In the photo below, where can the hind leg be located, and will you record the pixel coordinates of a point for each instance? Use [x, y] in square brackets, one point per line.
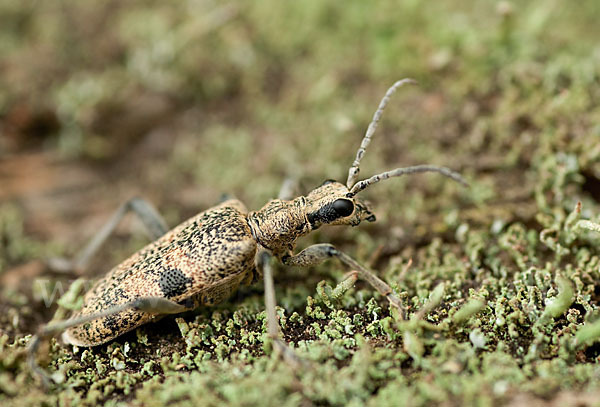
[151, 305]
[154, 223]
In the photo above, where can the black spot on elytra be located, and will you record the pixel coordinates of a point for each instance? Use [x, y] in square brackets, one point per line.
[173, 283]
[111, 323]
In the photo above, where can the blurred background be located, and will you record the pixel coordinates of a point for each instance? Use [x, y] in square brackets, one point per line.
[182, 101]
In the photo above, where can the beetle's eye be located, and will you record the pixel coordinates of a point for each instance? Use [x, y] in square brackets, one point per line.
[343, 207]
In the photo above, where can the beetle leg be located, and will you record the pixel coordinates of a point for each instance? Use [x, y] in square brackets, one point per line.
[152, 305]
[288, 189]
[154, 223]
[318, 253]
[225, 197]
[264, 264]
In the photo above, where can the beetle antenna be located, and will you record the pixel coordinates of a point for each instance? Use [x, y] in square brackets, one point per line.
[360, 185]
[354, 169]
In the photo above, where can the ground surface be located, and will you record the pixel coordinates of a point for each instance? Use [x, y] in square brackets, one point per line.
[180, 102]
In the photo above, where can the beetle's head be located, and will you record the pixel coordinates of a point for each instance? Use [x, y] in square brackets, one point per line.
[332, 204]
[279, 223]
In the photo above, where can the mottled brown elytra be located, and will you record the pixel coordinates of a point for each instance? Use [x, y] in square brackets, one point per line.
[204, 260]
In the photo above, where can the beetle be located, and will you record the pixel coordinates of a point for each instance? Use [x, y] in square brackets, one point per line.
[205, 259]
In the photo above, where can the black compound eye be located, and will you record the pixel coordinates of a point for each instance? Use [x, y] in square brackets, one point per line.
[343, 207]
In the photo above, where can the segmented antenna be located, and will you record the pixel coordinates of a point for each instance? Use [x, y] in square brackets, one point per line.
[360, 185]
[354, 169]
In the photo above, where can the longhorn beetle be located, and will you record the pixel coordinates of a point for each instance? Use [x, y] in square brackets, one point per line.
[204, 260]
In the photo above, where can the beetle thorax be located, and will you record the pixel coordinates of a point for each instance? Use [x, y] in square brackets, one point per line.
[278, 224]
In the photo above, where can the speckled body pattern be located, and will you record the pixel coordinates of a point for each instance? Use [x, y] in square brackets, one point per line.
[205, 259]
[201, 261]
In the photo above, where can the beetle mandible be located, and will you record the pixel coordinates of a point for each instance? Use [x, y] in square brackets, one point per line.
[204, 260]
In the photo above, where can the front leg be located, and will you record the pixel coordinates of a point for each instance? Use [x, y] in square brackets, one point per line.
[318, 253]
